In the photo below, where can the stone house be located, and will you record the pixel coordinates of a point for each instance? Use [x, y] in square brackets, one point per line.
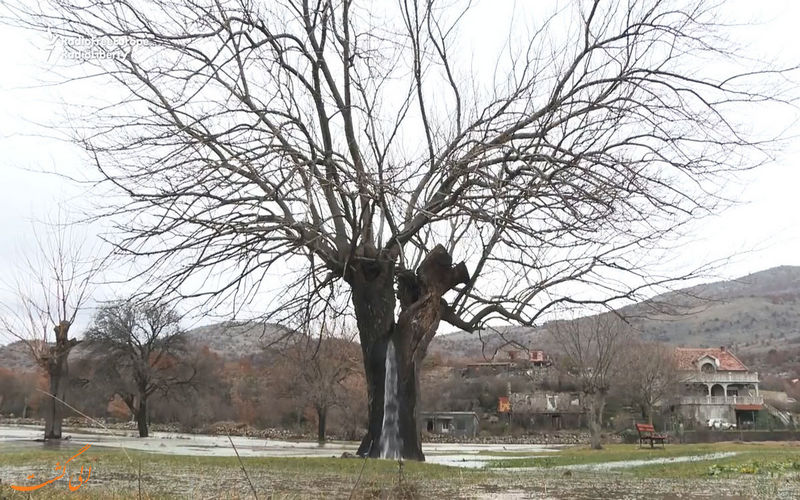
[549, 410]
[451, 423]
[716, 384]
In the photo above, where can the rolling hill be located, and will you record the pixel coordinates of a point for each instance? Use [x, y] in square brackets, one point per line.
[229, 340]
[755, 315]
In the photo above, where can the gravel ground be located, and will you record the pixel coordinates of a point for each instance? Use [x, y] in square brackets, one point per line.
[228, 482]
[562, 485]
[210, 482]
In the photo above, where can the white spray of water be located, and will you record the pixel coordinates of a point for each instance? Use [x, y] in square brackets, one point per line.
[390, 432]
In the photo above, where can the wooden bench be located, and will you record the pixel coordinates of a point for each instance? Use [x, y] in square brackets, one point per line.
[648, 433]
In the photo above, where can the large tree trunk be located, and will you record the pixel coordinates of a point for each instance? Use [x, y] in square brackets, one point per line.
[595, 419]
[322, 415]
[54, 409]
[374, 303]
[410, 445]
[57, 372]
[141, 416]
[421, 304]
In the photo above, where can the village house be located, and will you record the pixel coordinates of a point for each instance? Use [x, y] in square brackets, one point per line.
[527, 362]
[451, 423]
[529, 357]
[545, 409]
[716, 385]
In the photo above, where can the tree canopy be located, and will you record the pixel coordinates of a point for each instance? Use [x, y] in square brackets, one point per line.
[300, 137]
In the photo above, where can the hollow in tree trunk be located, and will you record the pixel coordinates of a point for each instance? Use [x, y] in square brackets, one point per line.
[421, 308]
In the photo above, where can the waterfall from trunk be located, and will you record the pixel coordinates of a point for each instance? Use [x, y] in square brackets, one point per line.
[390, 431]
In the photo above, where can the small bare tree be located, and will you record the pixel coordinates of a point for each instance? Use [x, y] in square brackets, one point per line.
[651, 376]
[51, 288]
[139, 345]
[591, 350]
[318, 367]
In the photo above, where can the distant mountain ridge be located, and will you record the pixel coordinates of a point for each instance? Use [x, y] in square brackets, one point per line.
[755, 313]
[229, 340]
[232, 340]
[760, 310]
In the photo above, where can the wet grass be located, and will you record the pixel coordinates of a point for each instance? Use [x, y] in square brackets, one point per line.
[116, 474]
[118, 458]
[610, 453]
[515, 454]
[775, 467]
[751, 460]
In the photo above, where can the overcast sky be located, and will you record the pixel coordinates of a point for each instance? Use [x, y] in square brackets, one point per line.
[763, 231]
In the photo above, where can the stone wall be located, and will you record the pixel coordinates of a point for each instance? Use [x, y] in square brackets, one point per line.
[708, 436]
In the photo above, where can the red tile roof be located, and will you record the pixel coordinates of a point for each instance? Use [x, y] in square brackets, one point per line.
[687, 356]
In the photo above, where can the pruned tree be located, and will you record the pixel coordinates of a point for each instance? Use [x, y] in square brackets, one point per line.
[350, 147]
[651, 376]
[592, 350]
[51, 287]
[139, 346]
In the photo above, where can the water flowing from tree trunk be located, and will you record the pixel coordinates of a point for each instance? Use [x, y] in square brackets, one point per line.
[390, 432]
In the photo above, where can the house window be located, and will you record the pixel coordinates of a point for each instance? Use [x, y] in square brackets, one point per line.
[708, 368]
[445, 426]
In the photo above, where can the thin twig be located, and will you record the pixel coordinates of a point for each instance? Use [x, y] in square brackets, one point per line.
[241, 464]
[358, 479]
[140, 479]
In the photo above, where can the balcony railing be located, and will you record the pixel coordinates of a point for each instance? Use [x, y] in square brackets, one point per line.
[721, 400]
[722, 377]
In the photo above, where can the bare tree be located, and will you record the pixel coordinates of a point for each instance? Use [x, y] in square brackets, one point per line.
[592, 350]
[350, 147]
[650, 376]
[17, 389]
[50, 290]
[319, 368]
[139, 346]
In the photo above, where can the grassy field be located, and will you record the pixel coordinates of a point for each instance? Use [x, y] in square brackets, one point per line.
[755, 471]
[775, 457]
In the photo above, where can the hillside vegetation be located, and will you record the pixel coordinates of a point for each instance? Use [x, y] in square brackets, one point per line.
[757, 315]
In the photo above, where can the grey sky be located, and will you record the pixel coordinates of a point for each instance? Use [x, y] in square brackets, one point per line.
[764, 230]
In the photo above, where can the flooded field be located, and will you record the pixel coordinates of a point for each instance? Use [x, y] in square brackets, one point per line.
[464, 455]
[174, 465]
